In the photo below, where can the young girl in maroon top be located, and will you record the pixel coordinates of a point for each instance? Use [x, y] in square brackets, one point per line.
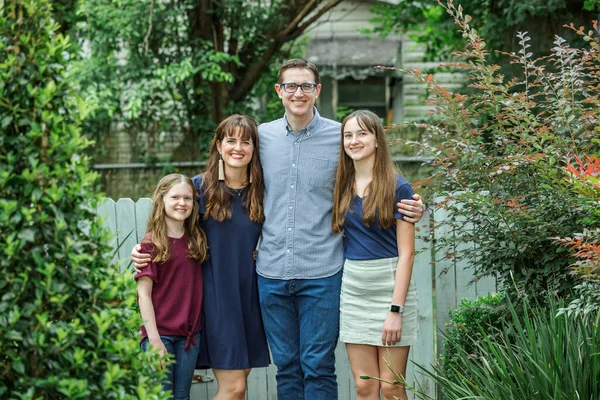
[170, 289]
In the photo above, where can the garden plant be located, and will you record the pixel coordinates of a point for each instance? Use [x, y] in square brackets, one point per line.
[473, 321]
[584, 179]
[500, 149]
[516, 163]
[67, 327]
[534, 355]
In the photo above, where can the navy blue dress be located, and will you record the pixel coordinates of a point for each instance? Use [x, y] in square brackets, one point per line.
[232, 334]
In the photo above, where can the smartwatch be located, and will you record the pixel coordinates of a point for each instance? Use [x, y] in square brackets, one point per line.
[395, 308]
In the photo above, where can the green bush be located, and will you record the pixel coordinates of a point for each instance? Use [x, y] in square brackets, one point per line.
[67, 329]
[584, 179]
[535, 355]
[469, 324]
[499, 149]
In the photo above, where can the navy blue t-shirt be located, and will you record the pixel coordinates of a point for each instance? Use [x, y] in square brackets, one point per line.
[371, 243]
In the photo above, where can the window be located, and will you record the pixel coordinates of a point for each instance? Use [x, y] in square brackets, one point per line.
[369, 93]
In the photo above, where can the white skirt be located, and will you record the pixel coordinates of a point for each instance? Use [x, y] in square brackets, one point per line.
[366, 295]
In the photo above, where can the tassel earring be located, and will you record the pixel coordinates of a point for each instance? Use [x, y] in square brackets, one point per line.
[221, 170]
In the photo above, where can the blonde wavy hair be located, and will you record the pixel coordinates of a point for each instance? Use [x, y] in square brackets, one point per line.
[157, 225]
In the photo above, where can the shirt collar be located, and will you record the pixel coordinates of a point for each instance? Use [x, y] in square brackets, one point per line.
[309, 129]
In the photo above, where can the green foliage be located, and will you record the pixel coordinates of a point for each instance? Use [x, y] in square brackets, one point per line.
[265, 104]
[427, 22]
[67, 329]
[171, 71]
[424, 21]
[342, 112]
[142, 72]
[591, 5]
[535, 355]
[471, 323]
[500, 150]
[584, 178]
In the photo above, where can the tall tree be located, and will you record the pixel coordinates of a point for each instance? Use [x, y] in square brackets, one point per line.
[183, 65]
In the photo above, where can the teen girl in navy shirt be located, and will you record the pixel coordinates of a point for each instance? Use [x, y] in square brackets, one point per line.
[378, 305]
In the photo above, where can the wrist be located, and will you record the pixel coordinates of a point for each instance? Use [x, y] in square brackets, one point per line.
[394, 316]
[154, 339]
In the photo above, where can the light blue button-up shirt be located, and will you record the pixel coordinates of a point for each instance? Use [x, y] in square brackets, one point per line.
[299, 171]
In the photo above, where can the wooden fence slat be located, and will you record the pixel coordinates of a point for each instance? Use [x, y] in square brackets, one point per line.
[257, 383]
[271, 382]
[106, 212]
[465, 287]
[126, 228]
[108, 216]
[143, 207]
[211, 387]
[345, 379]
[486, 285]
[423, 351]
[445, 279]
[206, 390]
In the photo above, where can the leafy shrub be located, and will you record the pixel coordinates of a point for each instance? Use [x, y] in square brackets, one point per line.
[535, 355]
[584, 178]
[469, 324]
[499, 149]
[67, 330]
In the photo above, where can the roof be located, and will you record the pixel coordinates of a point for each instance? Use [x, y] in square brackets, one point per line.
[352, 52]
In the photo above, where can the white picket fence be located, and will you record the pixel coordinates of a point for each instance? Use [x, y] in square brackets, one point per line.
[436, 293]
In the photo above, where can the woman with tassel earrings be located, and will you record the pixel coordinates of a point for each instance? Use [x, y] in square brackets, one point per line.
[230, 195]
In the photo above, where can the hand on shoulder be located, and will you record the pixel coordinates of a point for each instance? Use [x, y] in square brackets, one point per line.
[412, 209]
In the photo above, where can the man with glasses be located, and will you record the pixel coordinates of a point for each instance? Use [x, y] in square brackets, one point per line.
[299, 259]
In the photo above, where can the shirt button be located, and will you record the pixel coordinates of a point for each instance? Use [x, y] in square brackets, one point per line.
[288, 250]
[292, 186]
[293, 165]
[291, 208]
[289, 229]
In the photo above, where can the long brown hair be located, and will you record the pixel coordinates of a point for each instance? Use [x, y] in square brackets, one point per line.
[380, 193]
[217, 196]
[156, 229]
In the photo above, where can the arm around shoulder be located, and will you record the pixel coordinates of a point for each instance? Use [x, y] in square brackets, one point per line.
[140, 258]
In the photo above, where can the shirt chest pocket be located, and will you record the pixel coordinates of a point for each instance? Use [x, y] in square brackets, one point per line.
[318, 173]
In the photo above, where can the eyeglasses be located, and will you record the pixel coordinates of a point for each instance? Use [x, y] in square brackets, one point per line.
[291, 87]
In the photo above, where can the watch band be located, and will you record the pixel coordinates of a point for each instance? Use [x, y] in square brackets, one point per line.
[395, 308]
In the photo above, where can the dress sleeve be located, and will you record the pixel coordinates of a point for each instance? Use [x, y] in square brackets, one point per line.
[151, 270]
[403, 192]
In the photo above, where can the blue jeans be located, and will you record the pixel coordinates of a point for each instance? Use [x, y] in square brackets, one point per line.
[301, 318]
[180, 373]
